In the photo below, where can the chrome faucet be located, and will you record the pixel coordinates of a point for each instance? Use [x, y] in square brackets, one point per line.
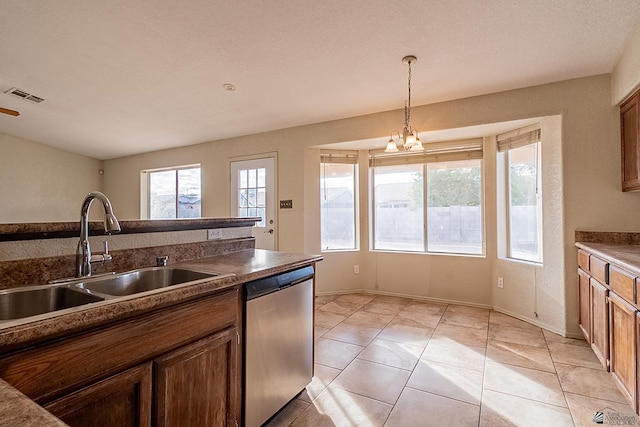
[111, 226]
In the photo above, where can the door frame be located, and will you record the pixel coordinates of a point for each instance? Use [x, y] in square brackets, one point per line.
[276, 210]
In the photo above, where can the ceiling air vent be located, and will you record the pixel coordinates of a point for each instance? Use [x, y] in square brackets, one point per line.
[24, 95]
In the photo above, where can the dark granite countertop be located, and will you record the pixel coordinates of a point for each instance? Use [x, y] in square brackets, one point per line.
[245, 265]
[55, 230]
[16, 409]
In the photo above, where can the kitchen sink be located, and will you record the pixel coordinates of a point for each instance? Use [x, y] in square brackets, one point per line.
[141, 280]
[33, 300]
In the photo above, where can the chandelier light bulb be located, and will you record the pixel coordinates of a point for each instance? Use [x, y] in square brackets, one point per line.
[417, 146]
[391, 147]
[411, 139]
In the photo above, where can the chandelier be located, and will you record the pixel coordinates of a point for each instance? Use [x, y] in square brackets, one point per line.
[409, 140]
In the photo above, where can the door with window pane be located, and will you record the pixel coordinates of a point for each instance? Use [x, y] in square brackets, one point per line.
[252, 195]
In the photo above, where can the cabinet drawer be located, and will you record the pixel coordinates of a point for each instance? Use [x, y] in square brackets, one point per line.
[583, 260]
[623, 284]
[599, 269]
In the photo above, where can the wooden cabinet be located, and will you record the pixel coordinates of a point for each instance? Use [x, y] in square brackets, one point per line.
[600, 321]
[629, 132]
[197, 383]
[637, 402]
[607, 298]
[623, 346]
[584, 299]
[623, 284]
[188, 353]
[121, 400]
[593, 305]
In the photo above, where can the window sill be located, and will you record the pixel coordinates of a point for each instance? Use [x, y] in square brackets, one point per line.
[522, 261]
[388, 251]
[325, 251]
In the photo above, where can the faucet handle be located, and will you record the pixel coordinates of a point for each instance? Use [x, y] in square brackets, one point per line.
[104, 257]
[161, 261]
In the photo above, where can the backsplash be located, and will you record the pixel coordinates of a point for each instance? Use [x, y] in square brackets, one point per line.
[619, 238]
[33, 254]
[40, 248]
[38, 271]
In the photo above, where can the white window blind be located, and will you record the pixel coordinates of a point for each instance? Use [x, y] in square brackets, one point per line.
[518, 138]
[347, 157]
[444, 151]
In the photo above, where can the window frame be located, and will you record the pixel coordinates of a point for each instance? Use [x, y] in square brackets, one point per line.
[372, 192]
[342, 157]
[435, 152]
[145, 199]
[482, 195]
[507, 142]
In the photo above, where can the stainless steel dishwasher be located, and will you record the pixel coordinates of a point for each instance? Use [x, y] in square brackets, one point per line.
[278, 342]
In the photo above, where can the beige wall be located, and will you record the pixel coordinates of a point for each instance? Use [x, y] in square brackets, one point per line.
[581, 187]
[581, 184]
[626, 75]
[39, 183]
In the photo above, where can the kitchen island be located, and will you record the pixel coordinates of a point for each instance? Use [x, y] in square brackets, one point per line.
[141, 344]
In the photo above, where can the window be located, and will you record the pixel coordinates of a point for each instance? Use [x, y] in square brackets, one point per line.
[398, 208]
[449, 219]
[252, 194]
[173, 193]
[521, 156]
[454, 207]
[338, 201]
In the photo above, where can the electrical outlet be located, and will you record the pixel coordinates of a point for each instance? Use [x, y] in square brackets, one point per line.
[356, 269]
[214, 234]
[500, 282]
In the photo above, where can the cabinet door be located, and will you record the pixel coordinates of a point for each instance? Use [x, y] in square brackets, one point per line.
[121, 400]
[622, 326]
[637, 403]
[629, 114]
[600, 321]
[584, 298]
[197, 385]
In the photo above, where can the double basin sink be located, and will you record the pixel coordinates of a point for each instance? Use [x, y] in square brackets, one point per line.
[34, 300]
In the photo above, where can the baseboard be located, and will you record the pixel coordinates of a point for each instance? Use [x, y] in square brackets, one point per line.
[533, 321]
[396, 294]
[430, 299]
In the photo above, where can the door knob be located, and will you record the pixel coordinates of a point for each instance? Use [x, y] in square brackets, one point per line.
[270, 231]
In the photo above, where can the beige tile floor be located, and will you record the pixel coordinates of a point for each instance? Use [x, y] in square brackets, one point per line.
[388, 361]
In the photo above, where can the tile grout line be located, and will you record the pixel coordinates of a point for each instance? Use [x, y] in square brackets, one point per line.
[484, 370]
[414, 368]
[442, 321]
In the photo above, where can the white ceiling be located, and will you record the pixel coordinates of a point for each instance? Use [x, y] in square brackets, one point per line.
[121, 77]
